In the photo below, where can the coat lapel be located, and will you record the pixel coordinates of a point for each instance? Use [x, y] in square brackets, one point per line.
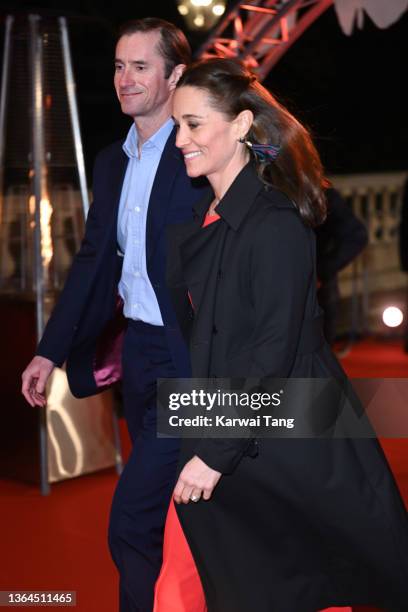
[169, 165]
[202, 248]
[239, 198]
[201, 257]
[197, 253]
[202, 254]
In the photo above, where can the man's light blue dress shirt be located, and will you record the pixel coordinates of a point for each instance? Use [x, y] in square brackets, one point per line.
[139, 298]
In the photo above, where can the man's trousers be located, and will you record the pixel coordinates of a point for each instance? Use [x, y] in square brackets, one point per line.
[144, 489]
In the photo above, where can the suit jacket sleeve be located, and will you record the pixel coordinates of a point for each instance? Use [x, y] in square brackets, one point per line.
[282, 273]
[62, 325]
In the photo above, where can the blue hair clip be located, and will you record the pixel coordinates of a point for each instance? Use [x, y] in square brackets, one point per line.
[264, 152]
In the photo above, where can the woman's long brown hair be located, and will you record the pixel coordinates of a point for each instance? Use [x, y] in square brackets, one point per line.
[297, 170]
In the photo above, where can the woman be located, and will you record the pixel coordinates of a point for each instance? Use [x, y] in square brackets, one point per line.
[278, 525]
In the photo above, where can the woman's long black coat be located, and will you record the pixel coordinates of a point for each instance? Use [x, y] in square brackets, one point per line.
[299, 524]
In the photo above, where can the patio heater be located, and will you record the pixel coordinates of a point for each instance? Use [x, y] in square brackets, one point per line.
[43, 205]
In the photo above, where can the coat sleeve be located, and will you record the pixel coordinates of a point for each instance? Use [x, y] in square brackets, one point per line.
[62, 324]
[281, 276]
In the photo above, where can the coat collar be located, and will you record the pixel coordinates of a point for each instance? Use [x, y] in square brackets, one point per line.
[238, 199]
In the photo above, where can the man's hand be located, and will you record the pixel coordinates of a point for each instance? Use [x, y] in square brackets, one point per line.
[35, 378]
[195, 480]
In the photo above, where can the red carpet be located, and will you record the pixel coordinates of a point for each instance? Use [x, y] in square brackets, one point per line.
[59, 542]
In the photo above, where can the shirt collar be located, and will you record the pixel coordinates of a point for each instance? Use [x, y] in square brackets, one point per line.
[158, 139]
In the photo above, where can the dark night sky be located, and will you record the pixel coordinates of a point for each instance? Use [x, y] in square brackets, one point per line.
[349, 90]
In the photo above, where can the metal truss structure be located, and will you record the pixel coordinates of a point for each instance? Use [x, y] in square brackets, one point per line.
[259, 32]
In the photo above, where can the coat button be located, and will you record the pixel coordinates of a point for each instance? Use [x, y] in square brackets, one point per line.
[215, 329]
[219, 273]
[252, 449]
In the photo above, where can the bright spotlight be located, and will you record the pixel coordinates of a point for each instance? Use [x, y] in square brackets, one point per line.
[201, 14]
[199, 21]
[218, 9]
[392, 316]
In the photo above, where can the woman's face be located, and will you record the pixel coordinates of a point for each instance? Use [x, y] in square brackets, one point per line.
[207, 138]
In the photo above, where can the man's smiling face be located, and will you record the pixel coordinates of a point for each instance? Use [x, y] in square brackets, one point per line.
[140, 84]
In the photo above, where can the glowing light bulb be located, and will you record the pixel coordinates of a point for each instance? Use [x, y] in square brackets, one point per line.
[392, 316]
[183, 9]
[218, 9]
[199, 21]
[201, 2]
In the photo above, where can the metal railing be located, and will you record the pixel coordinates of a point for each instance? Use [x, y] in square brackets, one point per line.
[374, 280]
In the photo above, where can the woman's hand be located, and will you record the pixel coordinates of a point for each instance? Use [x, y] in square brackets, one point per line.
[195, 480]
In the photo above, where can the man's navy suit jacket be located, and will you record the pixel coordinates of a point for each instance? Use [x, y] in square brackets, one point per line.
[88, 301]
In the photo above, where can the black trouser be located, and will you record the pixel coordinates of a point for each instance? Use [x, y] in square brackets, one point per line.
[144, 490]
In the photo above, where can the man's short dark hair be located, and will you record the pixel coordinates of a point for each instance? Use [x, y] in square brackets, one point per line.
[173, 45]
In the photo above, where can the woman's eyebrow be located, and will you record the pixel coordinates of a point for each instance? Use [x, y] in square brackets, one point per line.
[190, 115]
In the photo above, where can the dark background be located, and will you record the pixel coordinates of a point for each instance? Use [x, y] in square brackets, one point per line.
[350, 91]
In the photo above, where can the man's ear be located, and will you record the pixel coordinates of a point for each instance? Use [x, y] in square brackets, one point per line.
[175, 75]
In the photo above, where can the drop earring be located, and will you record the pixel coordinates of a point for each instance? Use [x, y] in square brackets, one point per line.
[263, 152]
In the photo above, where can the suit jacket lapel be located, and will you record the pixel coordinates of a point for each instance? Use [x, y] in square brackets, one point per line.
[108, 202]
[160, 196]
[117, 173]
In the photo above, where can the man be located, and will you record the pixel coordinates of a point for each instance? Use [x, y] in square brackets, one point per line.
[339, 240]
[140, 186]
[403, 246]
